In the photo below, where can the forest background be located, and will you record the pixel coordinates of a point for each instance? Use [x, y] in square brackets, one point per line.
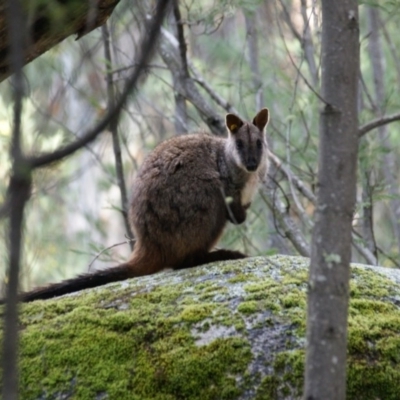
[236, 56]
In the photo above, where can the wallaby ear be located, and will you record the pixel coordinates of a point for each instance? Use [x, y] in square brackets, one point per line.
[261, 119]
[233, 122]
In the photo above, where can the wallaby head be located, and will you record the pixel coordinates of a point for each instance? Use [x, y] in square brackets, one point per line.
[246, 142]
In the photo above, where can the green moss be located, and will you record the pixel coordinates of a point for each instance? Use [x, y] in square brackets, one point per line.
[141, 341]
[196, 312]
[268, 389]
[240, 277]
[373, 343]
[261, 286]
[295, 298]
[248, 307]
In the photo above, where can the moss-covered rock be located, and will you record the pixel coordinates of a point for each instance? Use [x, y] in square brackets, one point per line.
[232, 330]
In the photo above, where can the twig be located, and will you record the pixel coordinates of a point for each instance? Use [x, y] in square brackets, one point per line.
[310, 86]
[302, 188]
[213, 94]
[147, 47]
[380, 250]
[377, 123]
[291, 231]
[169, 52]
[108, 248]
[298, 183]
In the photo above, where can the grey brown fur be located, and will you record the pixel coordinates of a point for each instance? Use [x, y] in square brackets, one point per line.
[183, 195]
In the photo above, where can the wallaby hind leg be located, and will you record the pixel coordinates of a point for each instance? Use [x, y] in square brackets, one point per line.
[201, 258]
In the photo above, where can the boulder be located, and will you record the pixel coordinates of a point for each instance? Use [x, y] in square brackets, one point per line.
[227, 330]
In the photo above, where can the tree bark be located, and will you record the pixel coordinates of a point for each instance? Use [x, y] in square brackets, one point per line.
[46, 29]
[253, 56]
[325, 374]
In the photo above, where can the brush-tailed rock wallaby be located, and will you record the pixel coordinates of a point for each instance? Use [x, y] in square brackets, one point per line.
[183, 195]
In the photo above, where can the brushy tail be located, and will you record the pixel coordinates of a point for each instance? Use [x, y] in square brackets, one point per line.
[84, 281]
[141, 263]
[201, 258]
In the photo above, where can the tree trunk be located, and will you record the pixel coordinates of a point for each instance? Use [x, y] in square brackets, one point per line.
[389, 167]
[325, 374]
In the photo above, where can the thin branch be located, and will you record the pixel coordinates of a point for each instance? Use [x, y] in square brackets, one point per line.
[291, 177]
[369, 126]
[181, 39]
[198, 78]
[308, 45]
[148, 45]
[302, 75]
[380, 250]
[180, 75]
[306, 192]
[253, 57]
[114, 133]
[364, 252]
[169, 52]
[289, 22]
[108, 248]
[291, 230]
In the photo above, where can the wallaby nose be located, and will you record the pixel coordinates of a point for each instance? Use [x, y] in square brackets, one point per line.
[251, 165]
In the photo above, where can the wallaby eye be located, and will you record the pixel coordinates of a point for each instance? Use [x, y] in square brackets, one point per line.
[239, 144]
[259, 144]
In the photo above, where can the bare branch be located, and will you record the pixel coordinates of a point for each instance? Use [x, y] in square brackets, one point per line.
[211, 92]
[252, 44]
[147, 47]
[376, 123]
[364, 252]
[76, 19]
[169, 52]
[298, 183]
[291, 230]
[289, 21]
[114, 133]
[130, 241]
[305, 40]
[181, 39]
[181, 123]
[308, 194]
[308, 45]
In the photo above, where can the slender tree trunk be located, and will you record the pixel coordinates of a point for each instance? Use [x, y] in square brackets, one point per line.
[367, 216]
[389, 167]
[119, 168]
[18, 195]
[308, 45]
[252, 44]
[325, 374]
[181, 119]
